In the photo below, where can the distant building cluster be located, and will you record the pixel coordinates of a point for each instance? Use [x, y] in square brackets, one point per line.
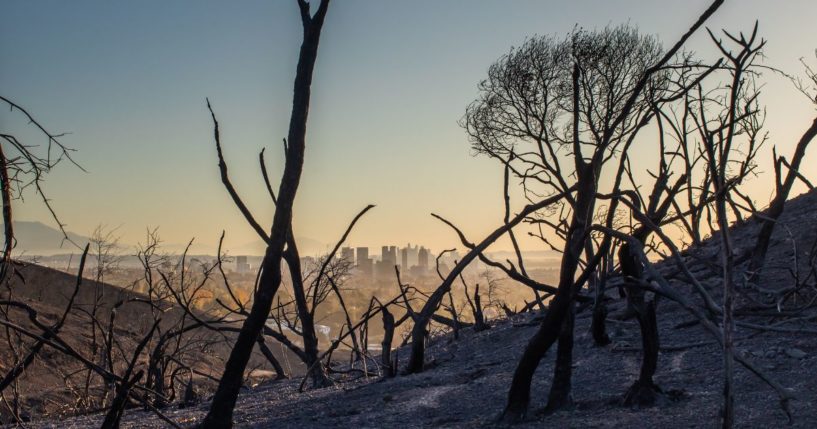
[411, 260]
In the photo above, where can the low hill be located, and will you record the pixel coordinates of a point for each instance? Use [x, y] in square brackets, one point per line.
[43, 387]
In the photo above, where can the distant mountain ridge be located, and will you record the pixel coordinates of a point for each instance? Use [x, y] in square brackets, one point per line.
[37, 238]
[40, 239]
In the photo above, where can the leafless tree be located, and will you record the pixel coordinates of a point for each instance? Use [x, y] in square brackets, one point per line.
[555, 110]
[23, 165]
[105, 253]
[656, 283]
[783, 185]
[221, 411]
[718, 136]
[427, 313]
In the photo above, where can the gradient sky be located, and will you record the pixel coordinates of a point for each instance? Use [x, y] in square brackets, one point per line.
[128, 79]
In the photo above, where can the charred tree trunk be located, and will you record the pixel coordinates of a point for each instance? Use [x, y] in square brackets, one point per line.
[310, 339]
[129, 379]
[778, 203]
[388, 337]
[190, 398]
[598, 325]
[155, 373]
[644, 391]
[280, 374]
[220, 414]
[159, 385]
[519, 392]
[479, 316]
[727, 259]
[156, 370]
[560, 396]
[550, 328]
[8, 224]
[118, 406]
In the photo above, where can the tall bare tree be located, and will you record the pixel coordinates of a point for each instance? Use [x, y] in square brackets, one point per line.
[576, 103]
[220, 414]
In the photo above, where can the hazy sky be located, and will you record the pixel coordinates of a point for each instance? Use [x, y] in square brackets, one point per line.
[128, 79]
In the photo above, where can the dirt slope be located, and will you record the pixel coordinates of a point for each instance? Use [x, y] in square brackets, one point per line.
[44, 392]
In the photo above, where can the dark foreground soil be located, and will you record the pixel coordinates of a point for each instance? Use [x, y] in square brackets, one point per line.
[468, 384]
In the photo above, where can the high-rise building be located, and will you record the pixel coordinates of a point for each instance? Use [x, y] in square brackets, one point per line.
[364, 264]
[384, 269]
[422, 258]
[388, 255]
[348, 254]
[412, 258]
[409, 256]
[362, 254]
[241, 265]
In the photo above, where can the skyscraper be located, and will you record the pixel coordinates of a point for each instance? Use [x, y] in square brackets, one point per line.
[411, 255]
[388, 255]
[241, 265]
[362, 254]
[384, 269]
[364, 264]
[348, 254]
[422, 258]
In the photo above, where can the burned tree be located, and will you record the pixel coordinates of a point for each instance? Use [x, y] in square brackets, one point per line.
[554, 113]
[661, 205]
[549, 102]
[107, 371]
[23, 166]
[221, 411]
[718, 142]
[530, 98]
[419, 331]
[783, 185]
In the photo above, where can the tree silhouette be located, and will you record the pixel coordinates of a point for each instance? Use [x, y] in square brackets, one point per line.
[221, 410]
[586, 97]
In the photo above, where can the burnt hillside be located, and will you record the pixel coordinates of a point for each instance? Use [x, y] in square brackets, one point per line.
[467, 381]
[53, 386]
